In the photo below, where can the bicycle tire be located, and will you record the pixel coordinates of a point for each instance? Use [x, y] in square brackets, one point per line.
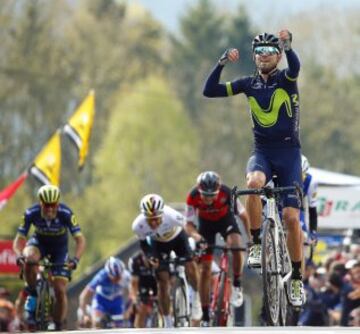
[156, 319]
[220, 312]
[270, 274]
[181, 318]
[285, 265]
[43, 304]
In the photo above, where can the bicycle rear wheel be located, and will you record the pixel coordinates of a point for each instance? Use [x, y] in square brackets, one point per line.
[270, 274]
[180, 305]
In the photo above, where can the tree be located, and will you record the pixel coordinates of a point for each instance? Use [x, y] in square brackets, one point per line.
[149, 146]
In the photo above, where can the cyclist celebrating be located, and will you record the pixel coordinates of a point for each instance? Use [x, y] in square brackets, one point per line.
[51, 221]
[143, 287]
[308, 216]
[107, 292]
[209, 202]
[165, 228]
[274, 104]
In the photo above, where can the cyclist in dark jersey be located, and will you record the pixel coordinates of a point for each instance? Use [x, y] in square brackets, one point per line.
[274, 106]
[143, 286]
[52, 221]
[208, 212]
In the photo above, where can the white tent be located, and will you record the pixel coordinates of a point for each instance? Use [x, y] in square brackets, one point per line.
[338, 199]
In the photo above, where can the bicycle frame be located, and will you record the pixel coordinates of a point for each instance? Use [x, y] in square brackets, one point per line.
[273, 239]
[220, 304]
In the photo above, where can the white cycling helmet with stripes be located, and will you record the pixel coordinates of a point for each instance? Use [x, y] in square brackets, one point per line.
[114, 267]
[152, 206]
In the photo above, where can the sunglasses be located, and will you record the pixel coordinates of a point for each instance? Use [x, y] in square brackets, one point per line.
[266, 50]
[50, 205]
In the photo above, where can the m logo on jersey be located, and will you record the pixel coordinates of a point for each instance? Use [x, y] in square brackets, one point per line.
[268, 117]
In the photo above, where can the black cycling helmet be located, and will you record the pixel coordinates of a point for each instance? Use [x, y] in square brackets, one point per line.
[266, 39]
[208, 183]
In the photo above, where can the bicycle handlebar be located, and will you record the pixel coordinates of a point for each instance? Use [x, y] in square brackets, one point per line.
[226, 248]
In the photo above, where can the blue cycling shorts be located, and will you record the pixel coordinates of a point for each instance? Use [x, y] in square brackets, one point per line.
[113, 307]
[55, 253]
[285, 163]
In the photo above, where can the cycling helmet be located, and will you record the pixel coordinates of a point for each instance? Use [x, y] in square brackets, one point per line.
[208, 183]
[304, 164]
[49, 194]
[152, 206]
[266, 39]
[114, 267]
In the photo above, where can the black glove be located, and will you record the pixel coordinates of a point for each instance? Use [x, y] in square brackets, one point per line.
[73, 262]
[224, 58]
[20, 260]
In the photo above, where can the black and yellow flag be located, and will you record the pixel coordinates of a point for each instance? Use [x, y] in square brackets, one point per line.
[80, 125]
[47, 164]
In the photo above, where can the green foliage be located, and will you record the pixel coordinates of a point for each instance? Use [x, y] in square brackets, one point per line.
[149, 146]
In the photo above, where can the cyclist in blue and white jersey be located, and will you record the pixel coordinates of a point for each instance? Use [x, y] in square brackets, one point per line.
[308, 216]
[274, 107]
[108, 292]
[164, 227]
[52, 221]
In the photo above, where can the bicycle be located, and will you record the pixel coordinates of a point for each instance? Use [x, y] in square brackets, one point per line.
[276, 266]
[45, 293]
[220, 310]
[155, 319]
[180, 290]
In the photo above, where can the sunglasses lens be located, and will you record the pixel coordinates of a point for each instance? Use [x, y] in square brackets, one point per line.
[266, 50]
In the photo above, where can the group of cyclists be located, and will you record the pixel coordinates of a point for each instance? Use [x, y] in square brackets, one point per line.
[210, 210]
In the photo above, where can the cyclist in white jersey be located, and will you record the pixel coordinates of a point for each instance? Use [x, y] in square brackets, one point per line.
[308, 216]
[164, 227]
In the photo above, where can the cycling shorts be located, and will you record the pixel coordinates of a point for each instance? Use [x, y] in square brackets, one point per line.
[225, 226]
[55, 253]
[114, 307]
[285, 163]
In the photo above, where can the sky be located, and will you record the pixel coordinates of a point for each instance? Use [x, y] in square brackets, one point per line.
[169, 11]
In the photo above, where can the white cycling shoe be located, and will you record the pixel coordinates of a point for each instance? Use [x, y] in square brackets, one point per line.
[196, 310]
[254, 258]
[237, 297]
[296, 292]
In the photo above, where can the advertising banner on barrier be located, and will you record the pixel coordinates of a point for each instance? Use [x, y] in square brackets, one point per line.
[338, 199]
[7, 258]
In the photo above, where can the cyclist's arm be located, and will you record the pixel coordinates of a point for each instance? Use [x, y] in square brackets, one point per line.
[19, 244]
[293, 69]
[80, 244]
[85, 298]
[134, 287]
[190, 226]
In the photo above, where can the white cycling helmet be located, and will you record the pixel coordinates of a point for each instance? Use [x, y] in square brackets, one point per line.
[304, 164]
[114, 267]
[152, 206]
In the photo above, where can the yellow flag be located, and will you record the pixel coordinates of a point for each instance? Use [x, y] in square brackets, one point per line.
[47, 164]
[80, 125]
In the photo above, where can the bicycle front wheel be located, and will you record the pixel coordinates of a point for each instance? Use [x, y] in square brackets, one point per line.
[270, 274]
[220, 305]
[43, 305]
[180, 305]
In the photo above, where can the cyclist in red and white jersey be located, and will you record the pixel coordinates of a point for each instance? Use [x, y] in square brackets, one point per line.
[209, 211]
[164, 228]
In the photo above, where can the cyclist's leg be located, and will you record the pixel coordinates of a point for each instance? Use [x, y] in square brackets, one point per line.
[61, 277]
[32, 253]
[258, 172]
[288, 172]
[98, 311]
[206, 229]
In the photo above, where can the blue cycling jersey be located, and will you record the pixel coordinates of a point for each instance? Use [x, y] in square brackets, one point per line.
[52, 233]
[274, 104]
[102, 285]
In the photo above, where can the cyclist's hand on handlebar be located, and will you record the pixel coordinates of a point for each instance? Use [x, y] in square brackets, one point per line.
[201, 244]
[313, 237]
[229, 54]
[154, 262]
[73, 263]
[20, 260]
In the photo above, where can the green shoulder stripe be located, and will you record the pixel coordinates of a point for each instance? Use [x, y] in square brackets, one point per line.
[229, 88]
